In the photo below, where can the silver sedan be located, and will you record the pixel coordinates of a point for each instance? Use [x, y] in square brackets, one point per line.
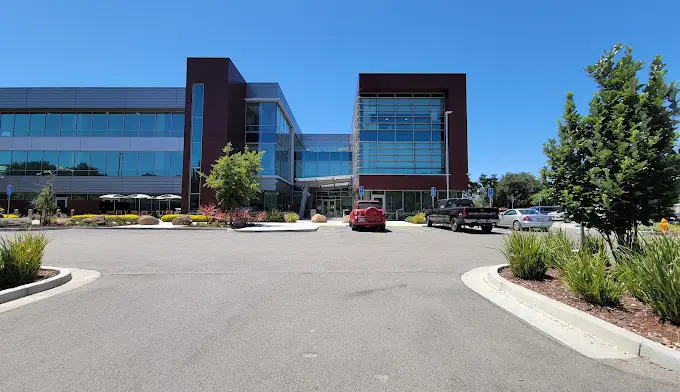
[524, 218]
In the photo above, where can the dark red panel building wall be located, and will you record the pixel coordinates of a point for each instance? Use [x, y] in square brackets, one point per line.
[454, 87]
[223, 115]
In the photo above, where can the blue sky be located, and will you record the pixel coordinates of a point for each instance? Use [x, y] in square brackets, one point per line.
[521, 57]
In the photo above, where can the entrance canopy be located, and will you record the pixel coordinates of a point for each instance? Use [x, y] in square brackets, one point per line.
[330, 182]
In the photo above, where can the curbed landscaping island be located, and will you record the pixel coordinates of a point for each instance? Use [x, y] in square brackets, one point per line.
[638, 290]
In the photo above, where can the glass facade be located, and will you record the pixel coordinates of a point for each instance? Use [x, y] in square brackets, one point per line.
[196, 146]
[399, 134]
[323, 155]
[268, 130]
[133, 124]
[92, 163]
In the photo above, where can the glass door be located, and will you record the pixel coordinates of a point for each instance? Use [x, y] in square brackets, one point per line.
[381, 199]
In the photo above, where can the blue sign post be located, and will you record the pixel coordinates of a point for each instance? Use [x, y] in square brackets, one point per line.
[361, 191]
[9, 196]
[433, 193]
[490, 197]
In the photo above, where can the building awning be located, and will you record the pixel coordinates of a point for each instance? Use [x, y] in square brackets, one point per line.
[329, 182]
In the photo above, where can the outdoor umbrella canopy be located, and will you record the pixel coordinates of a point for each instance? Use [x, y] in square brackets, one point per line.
[138, 196]
[168, 197]
[112, 197]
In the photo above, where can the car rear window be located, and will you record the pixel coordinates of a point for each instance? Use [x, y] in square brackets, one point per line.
[364, 205]
[528, 212]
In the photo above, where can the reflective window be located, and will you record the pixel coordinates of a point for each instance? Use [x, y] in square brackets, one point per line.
[131, 126]
[50, 161]
[115, 125]
[145, 163]
[128, 166]
[163, 124]
[7, 121]
[176, 163]
[21, 124]
[66, 160]
[197, 103]
[84, 126]
[81, 164]
[52, 124]
[178, 122]
[68, 124]
[161, 165]
[37, 126]
[98, 163]
[34, 163]
[113, 163]
[197, 129]
[196, 155]
[100, 124]
[148, 125]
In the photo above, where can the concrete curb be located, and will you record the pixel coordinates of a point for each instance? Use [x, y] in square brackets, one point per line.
[62, 277]
[628, 341]
[310, 230]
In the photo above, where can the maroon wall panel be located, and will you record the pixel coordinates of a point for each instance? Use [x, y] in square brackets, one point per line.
[454, 86]
[223, 115]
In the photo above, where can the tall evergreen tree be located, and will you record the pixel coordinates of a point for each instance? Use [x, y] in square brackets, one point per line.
[617, 167]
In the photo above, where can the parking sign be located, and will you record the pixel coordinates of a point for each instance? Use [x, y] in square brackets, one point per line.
[361, 191]
[433, 192]
[490, 192]
[9, 190]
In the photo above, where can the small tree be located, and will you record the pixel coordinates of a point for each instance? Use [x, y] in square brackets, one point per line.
[617, 167]
[234, 177]
[519, 187]
[46, 202]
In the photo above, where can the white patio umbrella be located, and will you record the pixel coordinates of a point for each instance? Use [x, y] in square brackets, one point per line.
[138, 197]
[169, 197]
[112, 197]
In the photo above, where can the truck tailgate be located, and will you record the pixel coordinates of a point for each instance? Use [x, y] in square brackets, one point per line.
[481, 213]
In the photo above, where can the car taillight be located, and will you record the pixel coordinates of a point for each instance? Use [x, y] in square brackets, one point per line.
[463, 213]
[527, 218]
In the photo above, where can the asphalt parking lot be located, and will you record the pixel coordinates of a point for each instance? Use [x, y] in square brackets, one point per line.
[333, 310]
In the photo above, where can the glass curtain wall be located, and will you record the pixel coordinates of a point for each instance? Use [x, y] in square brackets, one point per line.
[400, 133]
[323, 155]
[92, 163]
[131, 124]
[268, 130]
[196, 146]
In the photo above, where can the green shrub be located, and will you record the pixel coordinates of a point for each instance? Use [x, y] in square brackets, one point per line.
[121, 219]
[557, 247]
[409, 219]
[194, 218]
[653, 275]
[525, 255]
[590, 277]
[291, 217]
[594, 244]
[274, 216]
[21, 257]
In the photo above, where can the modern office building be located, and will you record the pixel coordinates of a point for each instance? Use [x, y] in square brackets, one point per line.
[93, 141]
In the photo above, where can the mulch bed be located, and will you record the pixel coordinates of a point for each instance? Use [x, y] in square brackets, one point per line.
[42, 275]
[632, 314]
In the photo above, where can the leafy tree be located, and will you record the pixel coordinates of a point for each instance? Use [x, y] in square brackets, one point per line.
[46, 202]
[520, 186]
[478, 189]
[234, 177]
[617, 167]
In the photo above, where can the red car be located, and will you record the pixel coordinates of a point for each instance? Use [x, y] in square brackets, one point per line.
[367, 213]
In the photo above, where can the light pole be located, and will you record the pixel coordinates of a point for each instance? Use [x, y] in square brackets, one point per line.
[446, 141]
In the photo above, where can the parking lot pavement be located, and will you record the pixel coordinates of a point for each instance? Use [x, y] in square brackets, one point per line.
[330, 310]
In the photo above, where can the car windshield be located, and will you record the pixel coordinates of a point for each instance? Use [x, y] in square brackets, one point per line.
[549, 209]
[528, 212]
[366, 204]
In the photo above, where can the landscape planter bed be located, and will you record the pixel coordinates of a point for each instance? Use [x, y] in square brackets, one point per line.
[43, 273]
[631, 315]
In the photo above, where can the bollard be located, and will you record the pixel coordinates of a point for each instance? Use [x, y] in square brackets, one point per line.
[73, 212]
[16, 211]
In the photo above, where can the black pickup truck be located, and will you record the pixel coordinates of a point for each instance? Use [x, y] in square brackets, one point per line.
[462, 212]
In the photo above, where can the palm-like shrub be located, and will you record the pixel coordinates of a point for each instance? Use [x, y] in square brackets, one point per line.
[525, 255]
[21, 258]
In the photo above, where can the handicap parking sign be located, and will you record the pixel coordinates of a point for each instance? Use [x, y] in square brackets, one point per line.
[361, 191]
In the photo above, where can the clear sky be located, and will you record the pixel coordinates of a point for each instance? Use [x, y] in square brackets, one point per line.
[520, 57]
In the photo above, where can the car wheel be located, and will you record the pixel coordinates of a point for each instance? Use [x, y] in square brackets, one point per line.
[487, 229]
[516, 226]
[381, 228]
[429, 222]
[455, 225]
